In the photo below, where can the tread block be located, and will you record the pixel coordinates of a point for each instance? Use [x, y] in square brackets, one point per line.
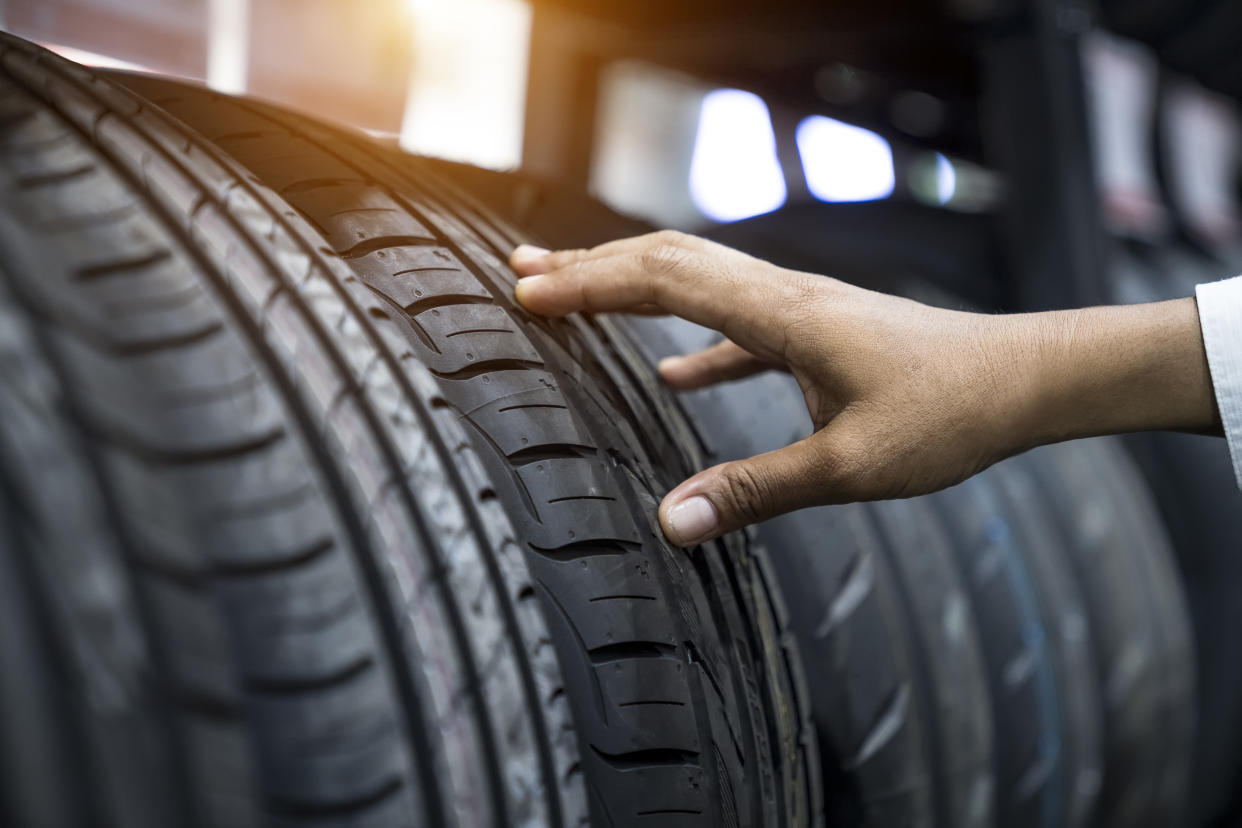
[530, 421]
[464, 336]
[588, 590]
[416, 276]
[572, 492]
[660, 795]
[650, 697]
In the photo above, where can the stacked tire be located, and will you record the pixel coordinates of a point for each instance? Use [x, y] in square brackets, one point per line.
[304, 522]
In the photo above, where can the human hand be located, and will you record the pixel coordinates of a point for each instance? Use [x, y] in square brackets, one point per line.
[905, 398]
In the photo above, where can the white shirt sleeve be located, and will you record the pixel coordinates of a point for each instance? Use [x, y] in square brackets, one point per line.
[1220, 316]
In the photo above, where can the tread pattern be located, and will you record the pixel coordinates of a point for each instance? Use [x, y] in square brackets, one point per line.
[681, 687]
[1144, 662]
[393, 668]
[1037, 649]
[100, 693]
[948, 661]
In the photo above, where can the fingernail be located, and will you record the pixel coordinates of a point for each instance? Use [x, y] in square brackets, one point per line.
[528, 253]
[668, 363]
[691, 520]
[522, 291]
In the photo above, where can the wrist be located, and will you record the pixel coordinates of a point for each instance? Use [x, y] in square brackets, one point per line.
[1110, 370]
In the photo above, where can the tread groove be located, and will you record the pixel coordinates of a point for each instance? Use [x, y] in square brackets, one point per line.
[622, 597]
[652, 757]
[571, 498]
[487, 367]
[33, 182]
[291, 687]
[561, 451]
[306, 809]
[443, 300]
[91, 272]
[368, 246]
[628, 650]
[168, 343]
[313, 552]
[187, 457]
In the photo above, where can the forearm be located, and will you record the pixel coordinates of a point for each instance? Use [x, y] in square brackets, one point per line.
[1110, 370]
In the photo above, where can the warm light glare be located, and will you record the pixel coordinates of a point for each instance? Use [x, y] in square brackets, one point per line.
[228, 45]
[93, 59]
[467, 94]
[735, 173]
[843, 162]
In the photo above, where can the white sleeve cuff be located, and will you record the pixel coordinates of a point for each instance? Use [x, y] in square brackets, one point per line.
[1220, 316]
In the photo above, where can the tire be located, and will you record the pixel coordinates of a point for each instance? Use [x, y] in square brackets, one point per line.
[1036, 645]
[900, 704]
[1193, 481]
[948, 661]
[1144, 657]
[326, 646]
[95, 699]
[685, 696]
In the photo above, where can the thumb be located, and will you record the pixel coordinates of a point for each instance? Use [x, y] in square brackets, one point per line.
[736, 494]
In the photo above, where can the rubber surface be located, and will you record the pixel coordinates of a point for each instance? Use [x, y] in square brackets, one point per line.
[1037, 648]
[685, 692]
[1144, 654]
[373, 655]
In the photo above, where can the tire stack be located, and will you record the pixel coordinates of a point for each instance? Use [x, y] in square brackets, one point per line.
[303, 522]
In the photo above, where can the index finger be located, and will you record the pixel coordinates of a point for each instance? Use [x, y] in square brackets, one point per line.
[528, 260]
[744, 298]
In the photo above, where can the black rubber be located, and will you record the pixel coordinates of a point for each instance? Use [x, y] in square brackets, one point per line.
[327, 588]
[686, 692]
[1036, 643]
[1193, 481]
[948, 659]
[1144, 655]
[100, 720]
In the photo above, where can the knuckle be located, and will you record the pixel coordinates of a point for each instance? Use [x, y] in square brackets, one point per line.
[747, 495]
[668, 238]
[564, 258]
[664, 260]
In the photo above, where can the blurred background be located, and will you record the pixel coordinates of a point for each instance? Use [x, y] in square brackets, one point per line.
[1093, 117]
[997, 154]
[689, 113]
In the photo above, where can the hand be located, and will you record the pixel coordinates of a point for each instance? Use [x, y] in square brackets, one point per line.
[905, 398]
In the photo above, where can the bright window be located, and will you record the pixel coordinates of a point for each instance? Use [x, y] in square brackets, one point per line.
[843, 162]
[735, 173]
